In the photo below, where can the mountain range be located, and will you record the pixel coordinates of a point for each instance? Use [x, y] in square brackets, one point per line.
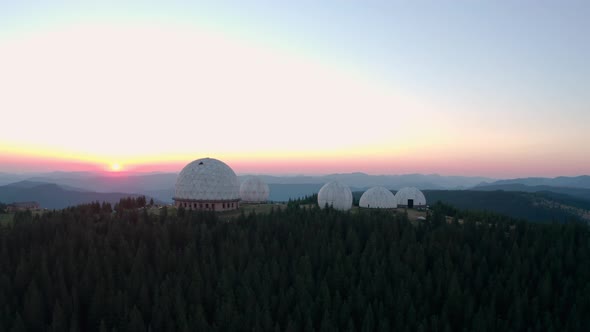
[61, 189]
[53, 196]
[161, 185]
[582, 181]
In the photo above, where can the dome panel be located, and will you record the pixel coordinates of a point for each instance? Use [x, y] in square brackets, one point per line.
[378, 198]
[410, 197]
[254, 190]
[335, 194]
[207, 179]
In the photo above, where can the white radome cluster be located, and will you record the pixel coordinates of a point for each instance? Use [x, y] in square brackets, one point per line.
[336, 195]
[207, 184]
[378, 198]
[254, 190]
[410, 197]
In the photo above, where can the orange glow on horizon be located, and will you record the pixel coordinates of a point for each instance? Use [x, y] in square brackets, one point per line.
[426, 161]
[116, 167]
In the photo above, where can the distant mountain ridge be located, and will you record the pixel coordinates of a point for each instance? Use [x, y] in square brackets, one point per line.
[362, 180]
[582, 181]
[582, 193]
[161, 185]
[53, 196]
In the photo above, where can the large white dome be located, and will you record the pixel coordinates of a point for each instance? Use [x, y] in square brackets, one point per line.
[410, 197]
[335, 194]
[254, 190]
[207, 179]
[378, 198]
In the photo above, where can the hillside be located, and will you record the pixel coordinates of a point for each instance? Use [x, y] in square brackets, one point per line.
[537, 207]
[293, 269]
[164, 182]
[362, 180]
[582, 181]
[52, 196]
[583, 193]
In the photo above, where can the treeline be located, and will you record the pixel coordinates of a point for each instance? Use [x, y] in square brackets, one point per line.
[305, 200]
[130, 203]
[87, 269]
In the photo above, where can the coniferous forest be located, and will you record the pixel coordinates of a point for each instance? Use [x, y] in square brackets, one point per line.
[296, 269]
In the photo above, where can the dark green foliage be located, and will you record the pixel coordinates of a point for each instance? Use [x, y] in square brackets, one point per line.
[130, 203]
[18, 325]
[296, 269]
[305, 200]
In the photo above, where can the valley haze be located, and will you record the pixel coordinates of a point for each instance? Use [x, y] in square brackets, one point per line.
[160, 185]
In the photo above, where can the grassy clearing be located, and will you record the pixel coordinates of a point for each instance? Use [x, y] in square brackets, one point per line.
[6, 219]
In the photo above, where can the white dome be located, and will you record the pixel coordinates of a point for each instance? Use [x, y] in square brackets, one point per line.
[335, 194]
[404, 195]
[253, 189]
[207, 179]
[378, 198]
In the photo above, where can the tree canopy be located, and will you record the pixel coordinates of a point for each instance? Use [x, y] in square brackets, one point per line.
[297, 269]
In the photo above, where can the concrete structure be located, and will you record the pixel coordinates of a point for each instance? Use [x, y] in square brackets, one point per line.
[410, 197]
[207, 184]
[336, 195]
[254, 190]
[22, 206]
[378, 198]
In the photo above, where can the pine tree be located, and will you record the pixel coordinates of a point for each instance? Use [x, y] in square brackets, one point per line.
[369, 320]
[103, 326]
[18, 325]
[136, 323]
[33, 308]
[59, 320]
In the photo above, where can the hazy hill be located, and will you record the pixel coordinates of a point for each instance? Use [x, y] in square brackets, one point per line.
[284, 192]
[582, 181]
[161, 185]
[362, 180]
[583, 193]
[115, 183]
[52, 196]
[27, 184]
[158, 181]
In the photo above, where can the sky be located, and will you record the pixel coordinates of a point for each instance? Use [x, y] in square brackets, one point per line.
[487, 88]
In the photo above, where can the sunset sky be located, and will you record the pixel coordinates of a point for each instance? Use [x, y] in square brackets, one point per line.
[491, 88]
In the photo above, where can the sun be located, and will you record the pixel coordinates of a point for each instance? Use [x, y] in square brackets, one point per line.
[116, 167]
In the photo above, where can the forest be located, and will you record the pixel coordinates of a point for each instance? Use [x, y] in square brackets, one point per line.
[87, 268]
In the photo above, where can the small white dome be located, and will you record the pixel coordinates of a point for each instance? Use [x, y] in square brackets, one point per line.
[207, 179]
[410, 197]
[335, 194]
[378, 198]
[254, 190]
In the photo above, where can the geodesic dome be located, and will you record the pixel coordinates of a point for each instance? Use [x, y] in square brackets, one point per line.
[254, 190]
[410, 197]
[335, 194]
[207, 179]
[378, 198]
